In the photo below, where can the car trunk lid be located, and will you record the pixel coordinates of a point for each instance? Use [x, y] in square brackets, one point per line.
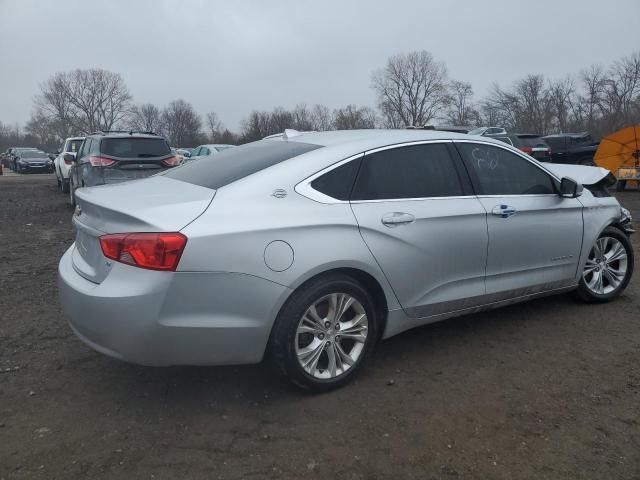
[156, 204]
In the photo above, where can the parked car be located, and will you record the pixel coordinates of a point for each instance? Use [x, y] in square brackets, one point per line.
[528, 143]
[27, 161]
[487, 131]
[309, 248]
[62, 166]
[207, 151]
[182, 153]
[572, 148]
[14, 152]
[117, 156]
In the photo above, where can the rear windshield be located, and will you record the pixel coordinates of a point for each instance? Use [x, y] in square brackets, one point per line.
[531, 141]
[134, 147]
[238, 162]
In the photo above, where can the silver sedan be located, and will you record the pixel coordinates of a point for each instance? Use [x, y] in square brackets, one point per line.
[308, 248]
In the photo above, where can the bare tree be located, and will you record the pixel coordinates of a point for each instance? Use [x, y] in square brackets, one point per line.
[145, 118]
[351, 117]
[88, 100]
[181, 124]
[256, 126]
[321, 118]
[460, 109]
[562, 100]
[411, 89]
[214, 127]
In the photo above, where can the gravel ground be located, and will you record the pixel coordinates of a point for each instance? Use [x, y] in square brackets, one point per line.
[547, 389]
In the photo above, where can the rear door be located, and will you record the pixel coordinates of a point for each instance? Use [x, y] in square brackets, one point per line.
[426, 230]
[535, 235]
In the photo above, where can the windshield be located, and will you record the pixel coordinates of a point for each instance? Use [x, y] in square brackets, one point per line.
[238, 162]
[33, 154]
[126, 147]
[222, 148]
[477, 131]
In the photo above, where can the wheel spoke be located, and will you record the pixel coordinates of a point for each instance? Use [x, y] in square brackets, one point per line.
[616, 253]
[344, 356]
[309, 355]
[332, 366]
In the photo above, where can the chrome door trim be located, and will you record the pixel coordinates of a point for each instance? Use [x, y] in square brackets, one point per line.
[304, 187]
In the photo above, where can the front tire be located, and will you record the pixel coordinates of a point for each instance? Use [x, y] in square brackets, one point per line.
[324, 333]
[72, 192]
[608, 268]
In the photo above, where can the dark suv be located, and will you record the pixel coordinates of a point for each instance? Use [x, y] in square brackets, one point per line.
[529, 143]
[118, 156]
[573, 148]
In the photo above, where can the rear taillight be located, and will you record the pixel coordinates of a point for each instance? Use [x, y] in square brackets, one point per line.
[155, 251]
[171, 162]
[96, 161]
[528, 150]
[68, 162]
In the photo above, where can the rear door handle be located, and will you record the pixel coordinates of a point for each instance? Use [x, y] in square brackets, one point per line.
[503, 211]
[395, 219]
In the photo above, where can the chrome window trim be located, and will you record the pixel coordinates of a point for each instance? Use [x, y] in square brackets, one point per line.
[304, 187]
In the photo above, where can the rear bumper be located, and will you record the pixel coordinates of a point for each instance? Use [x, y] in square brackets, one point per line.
[171, 318]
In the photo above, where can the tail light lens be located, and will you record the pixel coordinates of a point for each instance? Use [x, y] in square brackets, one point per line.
[154, 251]
[67, 161]
[171, 161]
[528, 150]
[100, 161]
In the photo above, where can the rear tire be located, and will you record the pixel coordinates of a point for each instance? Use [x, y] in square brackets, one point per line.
[588, 162]
[65, 185]
[621, 185]
[315, 349]
[608, 268]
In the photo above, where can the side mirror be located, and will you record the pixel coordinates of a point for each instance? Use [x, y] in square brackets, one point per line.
[69, 158]
[569, 188]
[59, 151]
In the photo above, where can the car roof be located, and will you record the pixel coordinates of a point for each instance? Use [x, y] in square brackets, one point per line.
[572, 135]
[217, 145]
[74, 138]
[372, 138]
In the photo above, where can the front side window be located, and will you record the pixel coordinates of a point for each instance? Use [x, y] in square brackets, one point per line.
[415, 171]
[501, 172]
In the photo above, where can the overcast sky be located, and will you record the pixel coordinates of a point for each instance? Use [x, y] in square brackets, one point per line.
[234, 56]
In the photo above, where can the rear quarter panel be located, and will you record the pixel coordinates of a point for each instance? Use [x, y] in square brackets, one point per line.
[244, 218]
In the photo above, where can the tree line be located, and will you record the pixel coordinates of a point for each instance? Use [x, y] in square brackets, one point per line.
[411, 89]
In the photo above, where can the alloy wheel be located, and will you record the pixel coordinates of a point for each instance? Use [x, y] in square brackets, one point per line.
[606, 266]
[331, 336]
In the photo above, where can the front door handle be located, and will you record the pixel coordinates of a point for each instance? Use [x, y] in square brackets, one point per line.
[395, 219]
[503, 211]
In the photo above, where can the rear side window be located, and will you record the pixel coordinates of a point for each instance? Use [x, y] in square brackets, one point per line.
[132, 147]
[501, 172]
[238, 162]
[416, 171]
[338, 182]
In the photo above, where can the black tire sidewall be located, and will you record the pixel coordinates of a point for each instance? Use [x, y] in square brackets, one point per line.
[586, 294]
[282, 344]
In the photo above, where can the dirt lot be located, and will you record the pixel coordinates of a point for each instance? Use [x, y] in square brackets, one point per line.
[549, 389]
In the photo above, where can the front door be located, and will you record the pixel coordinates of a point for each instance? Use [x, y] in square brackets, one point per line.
[535, 235]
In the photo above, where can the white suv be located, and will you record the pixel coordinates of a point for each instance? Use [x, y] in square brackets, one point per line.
[61, 166]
